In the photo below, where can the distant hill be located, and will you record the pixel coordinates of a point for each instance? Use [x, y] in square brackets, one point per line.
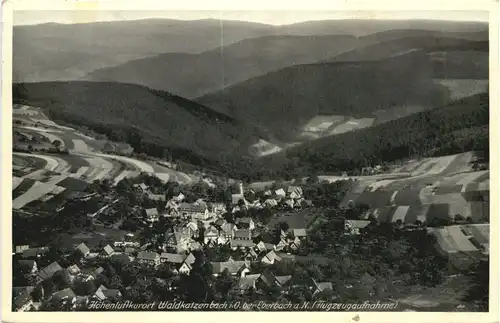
[364, 27]
[191, 75]
[51, 52]
[460, 126]
[151, 121]
[287, 99]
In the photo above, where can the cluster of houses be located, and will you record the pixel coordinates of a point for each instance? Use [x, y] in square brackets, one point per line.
[27, 260]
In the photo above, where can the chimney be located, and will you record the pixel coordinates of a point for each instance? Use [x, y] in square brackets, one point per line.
[240, 188]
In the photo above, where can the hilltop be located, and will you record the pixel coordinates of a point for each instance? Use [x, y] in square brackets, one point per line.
[153, 122]
[191, 75]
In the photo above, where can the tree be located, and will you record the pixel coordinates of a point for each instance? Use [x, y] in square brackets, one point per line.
[57, 143]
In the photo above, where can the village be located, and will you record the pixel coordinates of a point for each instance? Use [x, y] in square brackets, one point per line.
[143, 240]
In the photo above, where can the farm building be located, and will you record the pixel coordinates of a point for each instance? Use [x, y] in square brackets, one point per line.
[463, 245]
[199, 212]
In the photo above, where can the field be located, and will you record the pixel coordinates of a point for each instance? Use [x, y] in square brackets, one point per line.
[434, 190]
[461, 88]
[350, 125]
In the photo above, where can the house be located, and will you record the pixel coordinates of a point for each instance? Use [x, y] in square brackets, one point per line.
[28, 266]
[282, 281]
[107, 252]
[354, 227]
[156, 197]
[242, 235]
[211, 234]
[270, 258]
[22, 301]
[65, 297]
[240, 268]
[148, 257]
[270, 246]
[261, 246]
[322, 286]
[193, 228]
[218, 208]
[246, 283]
[243, 244]
[180, 239]
[179, 198]
[103, 293]
[281, 244]
[289, 203]
[49, 271]
[227, 230]
[271, 203]
[171, 258]
[250, 254]
[151, 214]
[73, 270]
[245, 223]
[32, 253]
[172, 207]
[20, 249]
[299, 233]
[295, 244]
[83, 250]
[266, 279]
[280, 193]
[195, 211]
[294, 192]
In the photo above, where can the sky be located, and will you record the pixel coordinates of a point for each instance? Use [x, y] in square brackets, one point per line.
[266, 17]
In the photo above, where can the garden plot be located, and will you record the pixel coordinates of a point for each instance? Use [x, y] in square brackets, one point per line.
[80, 146]
[51, 164]
[35, 192]
[100, 168]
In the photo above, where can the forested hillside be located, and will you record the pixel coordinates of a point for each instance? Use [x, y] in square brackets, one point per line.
[457, 127]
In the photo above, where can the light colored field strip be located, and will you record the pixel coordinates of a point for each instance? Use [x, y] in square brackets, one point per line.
[423, 166]
[442, 164]
[400, 213]
[33, 193]
[393, 196]
[380, 184]
[52, 138]
[145, 167]
[41, 129]
[56, 179]
[80, 146]
[163, 176]
[79, 173]
[16, 181]
[51, 165]
[125, 174]
[63, 165]
[100, 166]
[37, 175]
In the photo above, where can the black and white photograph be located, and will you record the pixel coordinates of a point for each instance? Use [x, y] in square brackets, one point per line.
[322, 161]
